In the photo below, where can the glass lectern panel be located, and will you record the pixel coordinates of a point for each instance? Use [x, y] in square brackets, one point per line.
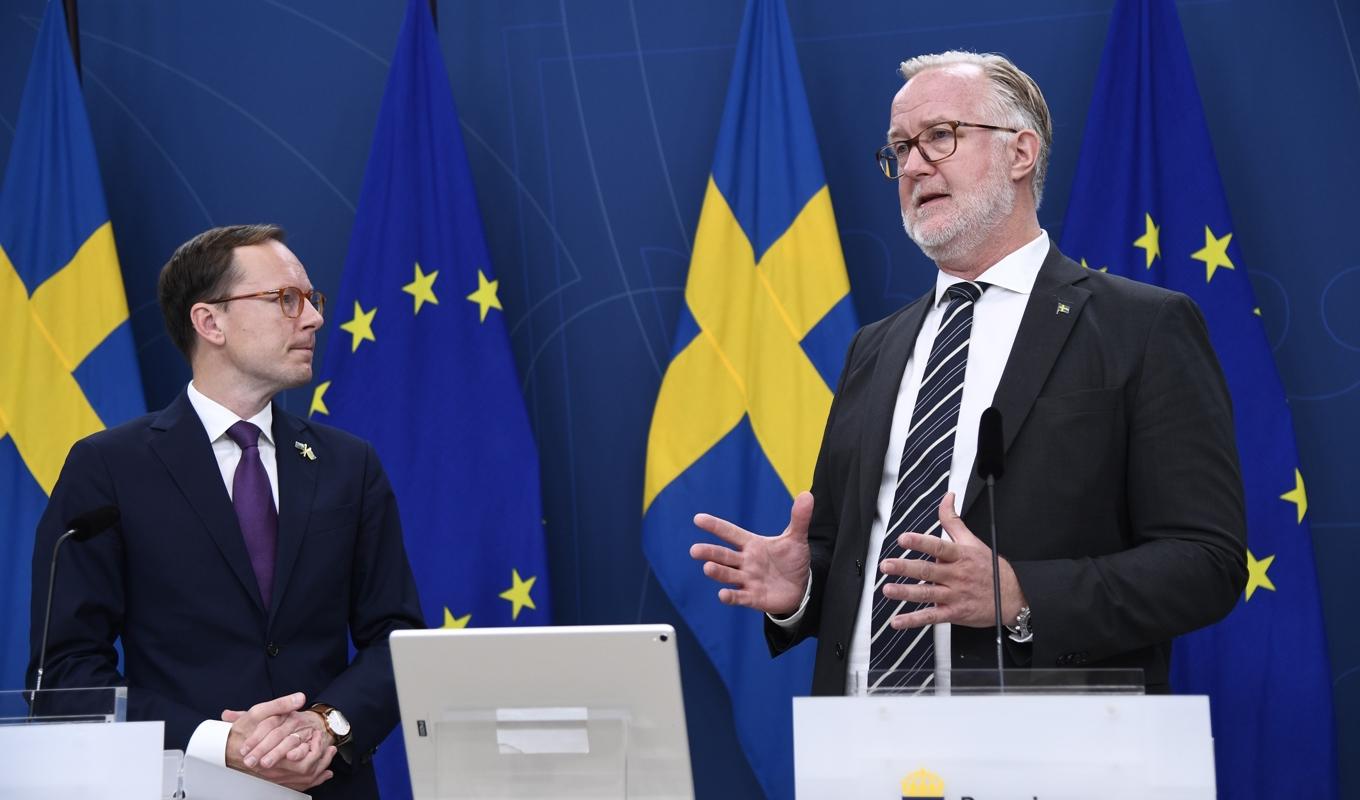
[961, 682]
[26, 707]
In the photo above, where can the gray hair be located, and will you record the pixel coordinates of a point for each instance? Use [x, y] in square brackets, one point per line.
[1015, 99]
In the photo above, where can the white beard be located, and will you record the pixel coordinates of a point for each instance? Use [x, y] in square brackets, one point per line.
[976, 214]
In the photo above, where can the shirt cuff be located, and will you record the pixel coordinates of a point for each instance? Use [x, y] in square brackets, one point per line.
[796, 617]
[209, 742]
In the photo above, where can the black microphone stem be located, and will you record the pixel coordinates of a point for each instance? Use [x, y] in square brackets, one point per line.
[83, 527]
[996, 584]
[47, 621]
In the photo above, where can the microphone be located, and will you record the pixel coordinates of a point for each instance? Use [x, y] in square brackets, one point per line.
[82, 528]
[991, 465]
[991, 446]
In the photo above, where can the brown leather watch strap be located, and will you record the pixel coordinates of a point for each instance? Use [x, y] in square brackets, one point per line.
[322, 710]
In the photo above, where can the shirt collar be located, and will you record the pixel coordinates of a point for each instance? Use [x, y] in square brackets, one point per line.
[216, 418]
[1016, 272]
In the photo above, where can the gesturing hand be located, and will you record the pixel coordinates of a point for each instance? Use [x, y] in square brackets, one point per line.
[768, 573]
[958, 581]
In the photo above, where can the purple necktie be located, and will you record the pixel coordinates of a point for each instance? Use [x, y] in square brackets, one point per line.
[254, 502]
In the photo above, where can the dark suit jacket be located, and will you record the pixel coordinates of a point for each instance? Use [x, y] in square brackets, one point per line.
[1121, 509]
[174, 582]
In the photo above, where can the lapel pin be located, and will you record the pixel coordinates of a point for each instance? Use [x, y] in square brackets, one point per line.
[1064, 308]
[305, 450]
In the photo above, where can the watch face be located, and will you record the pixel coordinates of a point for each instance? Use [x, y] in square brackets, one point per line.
[339, 725]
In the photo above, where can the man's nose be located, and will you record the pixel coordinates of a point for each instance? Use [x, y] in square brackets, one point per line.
[916, 166]
[311, 317]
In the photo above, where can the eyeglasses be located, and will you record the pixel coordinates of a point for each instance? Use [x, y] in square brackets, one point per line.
[935, 143]
[290, 300]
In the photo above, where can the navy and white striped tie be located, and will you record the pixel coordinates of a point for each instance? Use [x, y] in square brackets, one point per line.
[906, 658]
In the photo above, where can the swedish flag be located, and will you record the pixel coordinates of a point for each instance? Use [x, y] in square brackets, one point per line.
[421, 366]
[759, 344]
[1148, 204]
[67, 363]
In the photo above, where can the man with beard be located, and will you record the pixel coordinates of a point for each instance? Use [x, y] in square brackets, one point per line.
[1121, 516]
[253, 546]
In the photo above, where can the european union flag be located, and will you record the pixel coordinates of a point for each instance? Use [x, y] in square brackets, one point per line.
[1148, 204]
[67, 363]
[759, 344]
[421, 366]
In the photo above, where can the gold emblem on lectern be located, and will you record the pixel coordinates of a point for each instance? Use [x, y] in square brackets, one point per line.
[923, 784]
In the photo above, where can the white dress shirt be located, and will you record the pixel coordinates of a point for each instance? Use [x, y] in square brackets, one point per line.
[216, 418]
[209, 740]
[996, 319]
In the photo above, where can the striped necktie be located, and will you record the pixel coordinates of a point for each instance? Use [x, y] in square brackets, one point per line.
[906, 658]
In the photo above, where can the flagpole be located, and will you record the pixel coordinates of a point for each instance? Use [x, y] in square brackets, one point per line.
[73, 33]
[434, 12]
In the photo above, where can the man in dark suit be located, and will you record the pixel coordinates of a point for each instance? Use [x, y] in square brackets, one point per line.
[1121, 513]
[252, 546]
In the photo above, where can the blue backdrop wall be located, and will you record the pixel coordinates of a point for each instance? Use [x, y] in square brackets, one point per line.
[590, 126]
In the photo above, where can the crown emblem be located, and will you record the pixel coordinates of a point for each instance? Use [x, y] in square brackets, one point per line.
[923, 784]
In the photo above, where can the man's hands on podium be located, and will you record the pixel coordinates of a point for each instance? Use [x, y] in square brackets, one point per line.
[768, 573]
[282, 742]
[958, 582]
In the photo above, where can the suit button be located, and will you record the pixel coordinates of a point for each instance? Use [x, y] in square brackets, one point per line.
[859, 568]
[840, 650]
[272, 649]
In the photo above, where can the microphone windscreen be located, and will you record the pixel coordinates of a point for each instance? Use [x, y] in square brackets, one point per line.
[93, 522]
[991, 446]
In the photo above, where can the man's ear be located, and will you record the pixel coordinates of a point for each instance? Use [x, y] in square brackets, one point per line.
[204, 318]
[1025, 156]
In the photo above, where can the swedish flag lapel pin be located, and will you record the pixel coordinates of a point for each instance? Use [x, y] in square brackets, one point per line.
[1064, 308]
[305, 450]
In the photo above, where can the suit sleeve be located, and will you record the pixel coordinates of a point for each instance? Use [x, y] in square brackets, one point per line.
[88, 598]
[821, 530]
[1185, 565]
[382, 599]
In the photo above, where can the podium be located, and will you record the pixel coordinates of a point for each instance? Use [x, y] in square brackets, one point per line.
[566, 712]
[1028, 742]
[77, 744]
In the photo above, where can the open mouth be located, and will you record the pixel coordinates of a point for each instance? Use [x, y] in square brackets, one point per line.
[928, 198]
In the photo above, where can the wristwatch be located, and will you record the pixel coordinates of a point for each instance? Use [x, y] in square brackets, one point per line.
[336, 724]
[1020, 631]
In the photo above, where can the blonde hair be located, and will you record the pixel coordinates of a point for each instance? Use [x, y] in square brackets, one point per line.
[1015, 99]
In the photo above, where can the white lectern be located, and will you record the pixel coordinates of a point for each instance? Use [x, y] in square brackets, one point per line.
[1022, 745]
[74, 744]
[566, 712]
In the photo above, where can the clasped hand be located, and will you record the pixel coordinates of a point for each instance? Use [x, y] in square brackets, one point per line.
[281, 742]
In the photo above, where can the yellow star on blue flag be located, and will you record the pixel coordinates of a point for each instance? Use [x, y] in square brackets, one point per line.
[519, 594]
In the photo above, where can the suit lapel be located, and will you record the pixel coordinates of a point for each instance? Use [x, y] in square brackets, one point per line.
[297, 491]
[182, 445]
[1054, 305]
[898, 342]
